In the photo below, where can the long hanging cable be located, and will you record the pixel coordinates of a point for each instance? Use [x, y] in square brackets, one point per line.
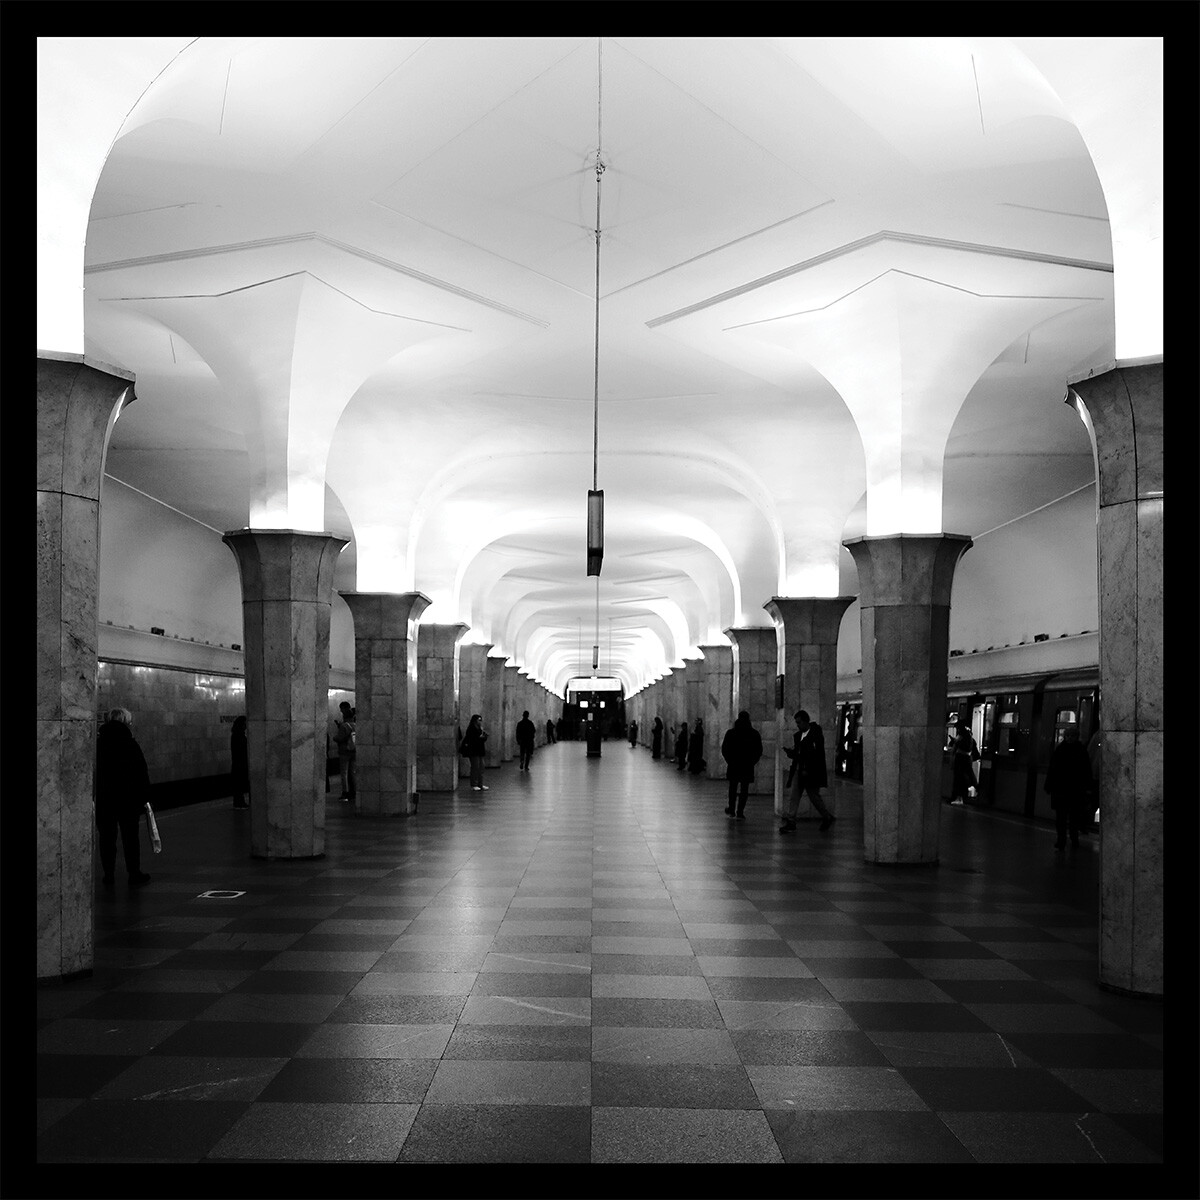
[596, 358]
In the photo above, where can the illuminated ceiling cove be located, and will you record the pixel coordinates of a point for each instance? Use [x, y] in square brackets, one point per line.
[844, 282]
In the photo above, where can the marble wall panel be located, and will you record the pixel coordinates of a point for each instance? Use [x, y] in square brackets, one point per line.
[1118, 858]
[1149, 714]
[1148, 909]
[1118, 535]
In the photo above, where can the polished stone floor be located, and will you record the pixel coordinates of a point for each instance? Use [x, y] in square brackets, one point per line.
[589, 963]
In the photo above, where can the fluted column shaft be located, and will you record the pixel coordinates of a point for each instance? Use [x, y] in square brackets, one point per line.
[755, 663]
[76, 405]
[807, 629]
[287, 594]
[493, 709]
[718, 705]
[1125, 409]
[385, 698]
[510, 714]
[905, 583]
[437, 707]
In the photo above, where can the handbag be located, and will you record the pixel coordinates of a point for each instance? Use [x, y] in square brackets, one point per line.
[152, 830]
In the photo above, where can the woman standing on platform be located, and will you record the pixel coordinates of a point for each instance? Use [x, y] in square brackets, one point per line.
[681, 745]
[656, 736]
[473, 746]
[122, 790]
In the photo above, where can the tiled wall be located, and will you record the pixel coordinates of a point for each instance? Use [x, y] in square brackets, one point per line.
[181, 718]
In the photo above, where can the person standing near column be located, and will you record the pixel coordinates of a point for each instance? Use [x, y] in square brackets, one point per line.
[550, 738]
[807, 774]
[656, 736]
[525, 736]
[695, 753]
[239, 763]
[632, 733]
[741, 748]
[1069, 783]
[474, 746]
[345, 738]
[681, 745]
[122, 791]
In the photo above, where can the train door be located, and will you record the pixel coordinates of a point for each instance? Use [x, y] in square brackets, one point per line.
[983, 716]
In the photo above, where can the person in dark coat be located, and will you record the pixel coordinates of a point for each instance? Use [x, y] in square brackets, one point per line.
[525, 736]
[695, 750]
[239, 758]
[741, 748]
[1069, 783]
[656, 736]
[122, 791]
[550, 738]
[633, 733]
[474, 746]
[966, 754]
[808, 773]
[681, 745]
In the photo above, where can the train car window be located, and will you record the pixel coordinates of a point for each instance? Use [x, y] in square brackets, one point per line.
[1064, 719]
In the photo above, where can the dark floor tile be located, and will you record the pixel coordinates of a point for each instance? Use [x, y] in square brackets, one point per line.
[1087, 1050]
[657, 1014]
[942, 1018]
[1005, 933]
[806, 1048]
[351, 1081]
[487, 1133]
[123, 1130]
[522, 983]
[253, 924]
[990, 1089]
[741, 948]
[520, 1043]
[399, 1010]
[865, 1137]
[147, 939]
[218, 960]
[673, 1085]
[236, 1039]
[535, 943]
[380, 912]
[938, 949]
[1146, 1127]
[431, 960]
[300, 983]
[343, 941]
[77, 1074]
[146, 1006]
[645, 964]
[861, 968]
[1001, 991]
[766, 988]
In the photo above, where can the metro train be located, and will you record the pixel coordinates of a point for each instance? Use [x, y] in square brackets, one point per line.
[1016, 721]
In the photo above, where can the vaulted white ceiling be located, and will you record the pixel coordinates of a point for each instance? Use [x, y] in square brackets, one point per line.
[843, 283]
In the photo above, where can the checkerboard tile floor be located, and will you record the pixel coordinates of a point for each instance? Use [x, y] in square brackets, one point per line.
[591, 964]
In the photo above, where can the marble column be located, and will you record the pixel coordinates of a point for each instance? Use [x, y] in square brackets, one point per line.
[1124, 410]
[76, 407]
[493, 709]
[437, 707]
[807, 631]
[287, 593]
[718, 705]
[472, 692]
[755, 661]
[905, 582]
[385, 698]
[510, 714]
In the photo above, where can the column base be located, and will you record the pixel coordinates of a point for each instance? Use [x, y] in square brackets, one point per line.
[287, 857]
[1153, 997]
[49, 981]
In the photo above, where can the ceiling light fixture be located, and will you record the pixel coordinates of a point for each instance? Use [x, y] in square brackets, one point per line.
[595, 503]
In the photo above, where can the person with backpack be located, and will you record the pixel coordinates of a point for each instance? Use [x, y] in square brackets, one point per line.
[345, 739]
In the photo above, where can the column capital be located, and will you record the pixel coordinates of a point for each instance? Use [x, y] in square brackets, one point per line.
[285, 564]
[386, 614]
[907, 568]
[809, 619]
[1124, 417]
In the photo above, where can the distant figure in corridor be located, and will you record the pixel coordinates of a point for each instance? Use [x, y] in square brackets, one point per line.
[122, 791]
[239, 763]
[656, 737]
[695, 750]
[807, 774]
[550, 737]
[633, 733]
[681, 745]
[966, 753]
[473, 748]
[741, 748]
[525, 735]
[1069, 783]
[346, 740]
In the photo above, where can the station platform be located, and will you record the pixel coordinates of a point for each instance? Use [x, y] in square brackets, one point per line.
[590, 963]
